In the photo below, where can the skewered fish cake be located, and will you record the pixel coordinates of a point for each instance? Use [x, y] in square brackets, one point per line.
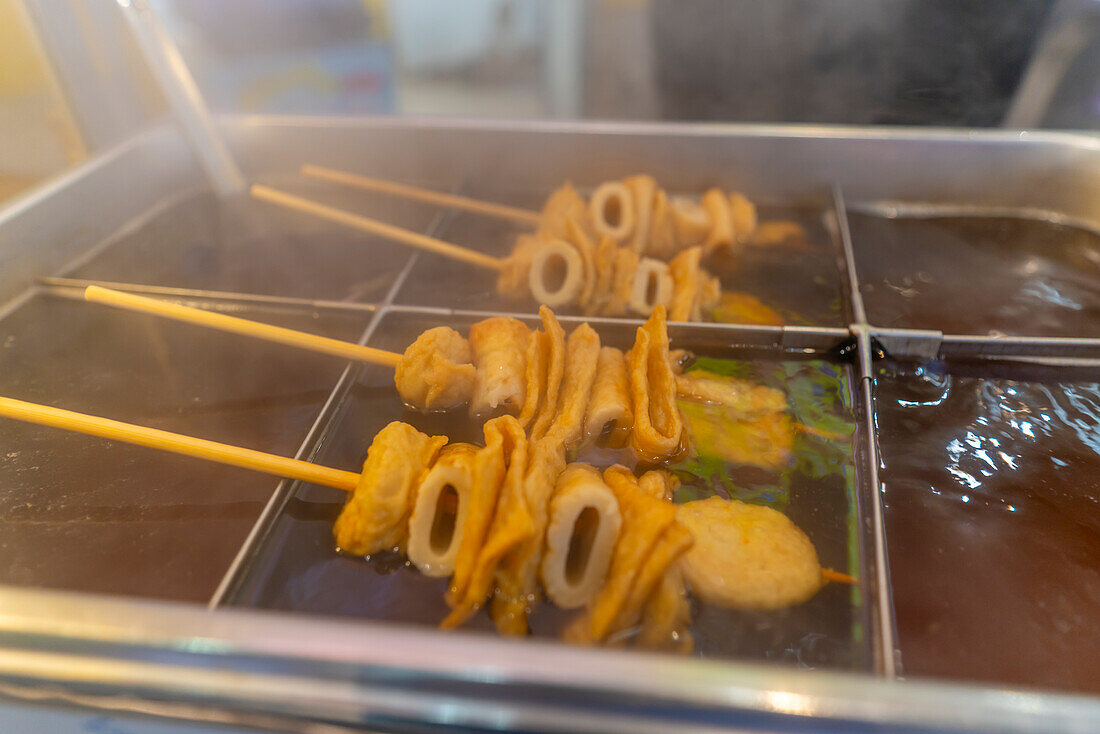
[581, 360]
[545, 371]
[376, 515]
[650, 541]
[499, 352]
[610, 413]
[499, 520]
[517, 576]
[439, 512]
[584, 525]
[747, 556]
[436, 371]
[658, 427]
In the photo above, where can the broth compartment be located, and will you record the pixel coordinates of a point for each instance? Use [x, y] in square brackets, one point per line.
[992, 492]
[798, 460]
[979, 275]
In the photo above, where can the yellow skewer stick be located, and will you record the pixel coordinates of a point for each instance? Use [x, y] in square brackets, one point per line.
[199, 448]
[278, 334]
[453, 201]
[375, 227]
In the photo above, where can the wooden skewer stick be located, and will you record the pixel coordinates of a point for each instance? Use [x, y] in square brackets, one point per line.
[375, 227]
[199, 448]
[290, 337]
[453, 201]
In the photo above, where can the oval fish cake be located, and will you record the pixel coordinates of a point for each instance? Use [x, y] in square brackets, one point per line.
[747, 556]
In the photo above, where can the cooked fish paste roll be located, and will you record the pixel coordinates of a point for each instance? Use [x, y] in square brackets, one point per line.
[500, 347]
[650, 541]
[721, 235]
[439, 511]
[747, 556]
[513, 281]
[376, 516]
[499, 519]
[658, 426]
[582, 352]
[642, 190]
[436, 371]
[545, 370]
[584, 525]
[687, 283]
[557, 273]
[612, 210]
[562, 205]
[609, 414]
[652, 287]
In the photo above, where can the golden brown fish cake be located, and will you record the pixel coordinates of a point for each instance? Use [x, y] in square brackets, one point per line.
[690, 221]
[666, 619]
[643, 553]
[720, 236]
[740, 396]
[376, 516]
[496, 524]
[440, 508]
[563, 204]
[436, 371]
[747, 556]
[609, 413]
[513, 282]
[581, 358]
[499, 348]
[580, 537]
[742, 216]
[658, 427]
[659, 483]
[642, 190]
[548, 381]
[687, 283]
[517, 590]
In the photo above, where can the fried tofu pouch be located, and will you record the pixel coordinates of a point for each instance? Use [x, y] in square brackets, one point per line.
[658, 426]
[436, 372]
[650, 541]
[376, 516]
[609, 412]
[498, 519]
[747, 556]
[499, 347]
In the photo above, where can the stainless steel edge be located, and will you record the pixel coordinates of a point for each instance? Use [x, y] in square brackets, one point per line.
[1059, 172]
[961, 345]
[52, 224]
[341, 672]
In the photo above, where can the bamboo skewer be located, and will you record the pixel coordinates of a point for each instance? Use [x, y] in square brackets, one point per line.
[199, 448]
[453, 201]
[278, 334]
[375, 227]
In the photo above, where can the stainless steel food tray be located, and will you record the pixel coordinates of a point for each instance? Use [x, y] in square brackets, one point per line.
[180, 660]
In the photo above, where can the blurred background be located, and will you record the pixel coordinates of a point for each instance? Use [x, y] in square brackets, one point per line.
[72, 80]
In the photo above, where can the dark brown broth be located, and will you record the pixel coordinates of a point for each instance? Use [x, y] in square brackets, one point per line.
[979, 275]
[992, 489]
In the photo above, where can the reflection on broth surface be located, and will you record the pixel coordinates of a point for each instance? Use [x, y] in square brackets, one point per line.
[993, 521]
[1036, 278]
[300, 569]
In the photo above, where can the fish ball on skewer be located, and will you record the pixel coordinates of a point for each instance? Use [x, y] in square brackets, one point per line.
[436, 371]
[584, 525]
